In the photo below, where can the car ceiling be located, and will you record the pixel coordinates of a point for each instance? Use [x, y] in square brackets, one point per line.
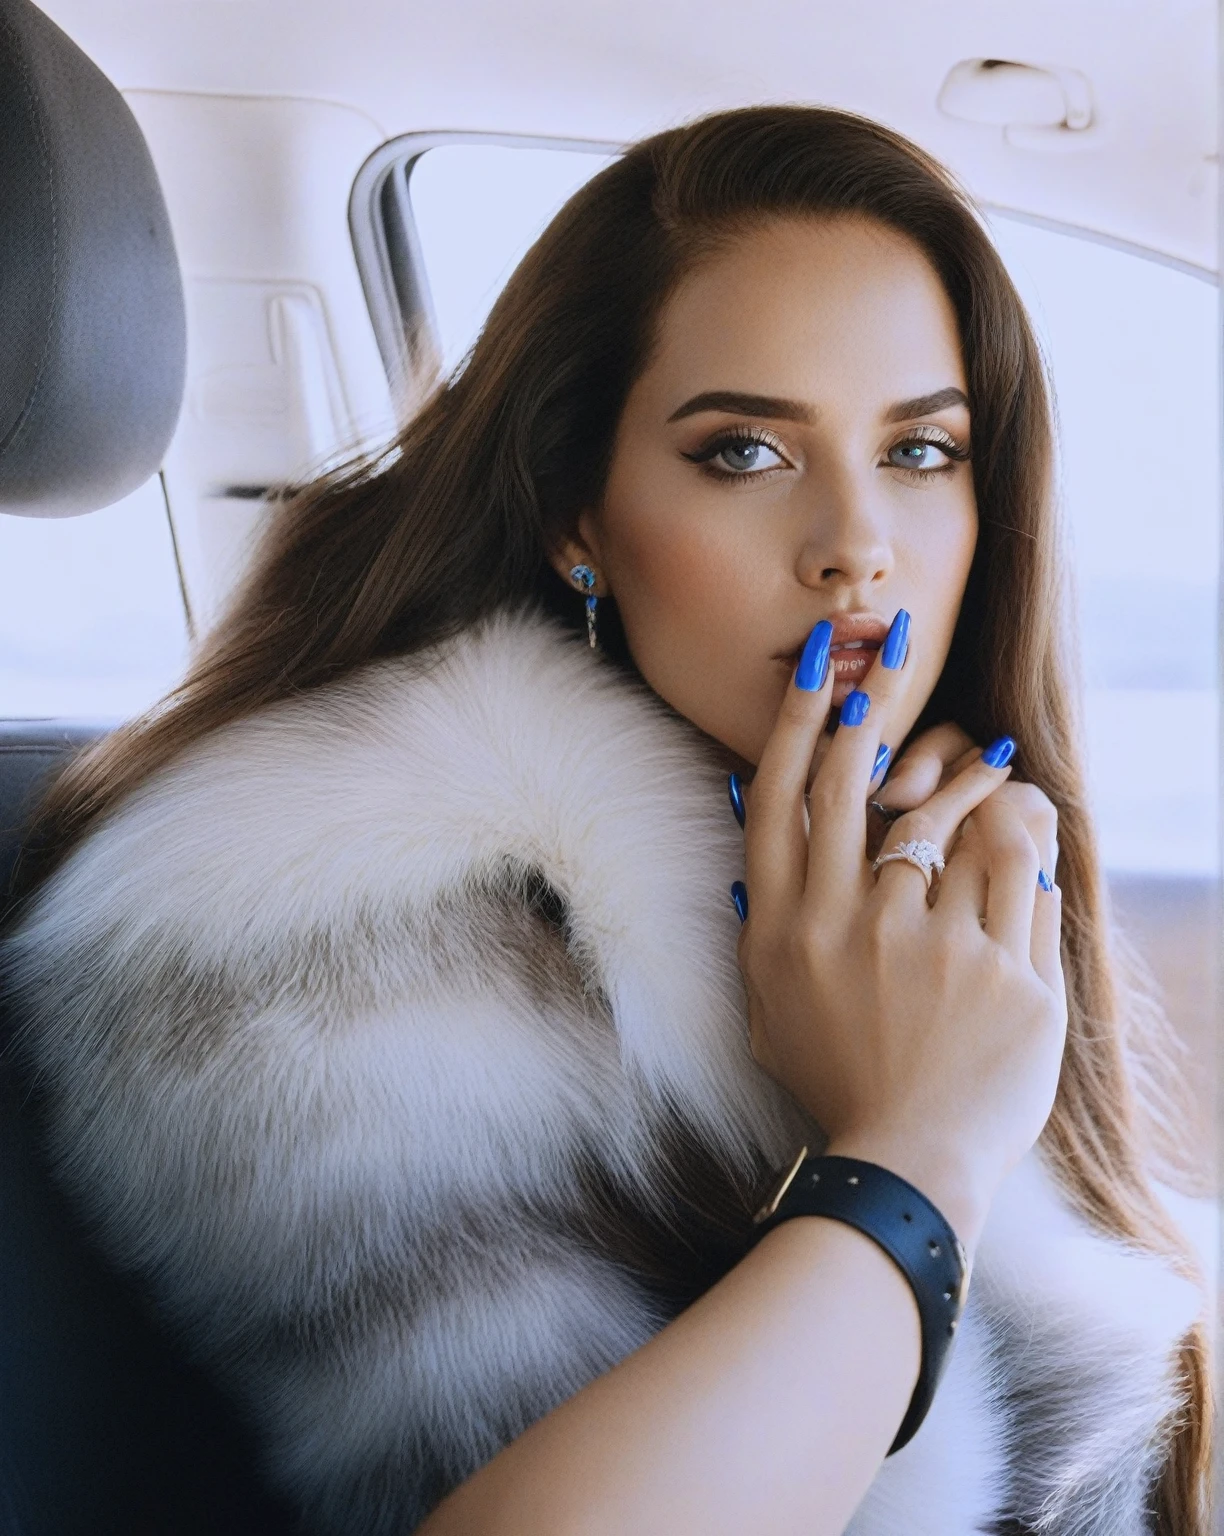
[1144, 174]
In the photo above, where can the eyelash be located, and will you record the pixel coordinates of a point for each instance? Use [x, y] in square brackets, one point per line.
[935, 436]
[739, 437]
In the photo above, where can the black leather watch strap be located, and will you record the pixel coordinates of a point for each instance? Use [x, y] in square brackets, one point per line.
[885, 1208]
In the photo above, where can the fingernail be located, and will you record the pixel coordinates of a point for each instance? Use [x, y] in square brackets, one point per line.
[854, 710]
[999, 753]
[881, 762]
[739, 899]
[813, 665]
[735, 789]
[896, 642]
[1044, 881]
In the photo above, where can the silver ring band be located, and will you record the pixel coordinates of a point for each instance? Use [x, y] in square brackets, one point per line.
[924, 856]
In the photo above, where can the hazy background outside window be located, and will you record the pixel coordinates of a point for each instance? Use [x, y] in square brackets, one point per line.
[92, 623]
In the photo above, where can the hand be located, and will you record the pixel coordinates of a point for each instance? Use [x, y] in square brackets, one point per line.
[933, 760]
[924, 1036]
[927, 764]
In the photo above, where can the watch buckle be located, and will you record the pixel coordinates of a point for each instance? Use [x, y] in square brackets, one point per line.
[775, 1200]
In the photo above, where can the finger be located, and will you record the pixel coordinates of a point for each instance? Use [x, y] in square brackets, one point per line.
[962, 761]
[1040, 817]
[937, 819]
[919, 771]
[838, 796]
[1045, 950]
[1012, 862]
[961, 894]
[775, 844]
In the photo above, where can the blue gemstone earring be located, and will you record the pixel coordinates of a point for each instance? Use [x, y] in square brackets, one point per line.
[583, 578]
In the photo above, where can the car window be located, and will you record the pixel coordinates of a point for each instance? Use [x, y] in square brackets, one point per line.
[1132, 347]
[477, 208]
[92, 622]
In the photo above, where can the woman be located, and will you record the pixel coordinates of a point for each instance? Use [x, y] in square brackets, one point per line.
[382, 984]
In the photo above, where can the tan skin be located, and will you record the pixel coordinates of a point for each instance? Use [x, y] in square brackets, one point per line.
[851, 511]
[924, 1035]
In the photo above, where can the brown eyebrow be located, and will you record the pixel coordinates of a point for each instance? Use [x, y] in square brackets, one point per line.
[927, 405]
[793, 410]
[744, 405]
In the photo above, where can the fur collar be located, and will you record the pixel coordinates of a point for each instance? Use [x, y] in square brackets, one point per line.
[358, 1019]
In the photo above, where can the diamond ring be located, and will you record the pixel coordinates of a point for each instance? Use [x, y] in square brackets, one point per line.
[921, 854]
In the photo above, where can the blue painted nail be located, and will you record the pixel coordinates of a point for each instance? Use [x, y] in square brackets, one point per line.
[999, 753]
[896, 642]
[854, 710]
[739, 898]
[1044, 881]
[735, 789]
[880, 763]
[813, 665]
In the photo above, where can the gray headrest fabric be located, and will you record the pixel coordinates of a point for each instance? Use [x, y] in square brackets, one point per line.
[92, 330]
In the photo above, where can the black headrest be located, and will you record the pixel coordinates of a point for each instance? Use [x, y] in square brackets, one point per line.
[92, 331]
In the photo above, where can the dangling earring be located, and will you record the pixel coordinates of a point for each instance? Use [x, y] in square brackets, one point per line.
[583, 578]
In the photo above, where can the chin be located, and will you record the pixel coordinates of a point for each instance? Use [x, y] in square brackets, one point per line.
[741, 749]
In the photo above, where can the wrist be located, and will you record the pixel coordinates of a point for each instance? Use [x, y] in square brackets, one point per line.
[906, 1224]
[951, 1180]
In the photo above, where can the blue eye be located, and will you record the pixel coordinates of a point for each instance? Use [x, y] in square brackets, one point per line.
[738, 456]
[744, 455]
[918, 456]
[926, 455]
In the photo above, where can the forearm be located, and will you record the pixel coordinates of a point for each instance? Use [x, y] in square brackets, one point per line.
[767, 1406]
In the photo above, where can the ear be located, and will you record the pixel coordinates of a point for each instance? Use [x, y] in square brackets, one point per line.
[580, 547]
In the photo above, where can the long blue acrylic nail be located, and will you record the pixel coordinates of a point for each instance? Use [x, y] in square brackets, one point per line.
[881, 762]
[896, 642]
[999, 753]
[735, 789]
[1044, 881]
[813, 665]
[739, 898]
[854, 710]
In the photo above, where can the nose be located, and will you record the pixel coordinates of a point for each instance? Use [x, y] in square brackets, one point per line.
[845, 541]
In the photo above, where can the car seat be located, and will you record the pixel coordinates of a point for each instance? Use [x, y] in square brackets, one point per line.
[104, 1427]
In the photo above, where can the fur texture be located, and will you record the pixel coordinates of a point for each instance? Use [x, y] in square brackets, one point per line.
[395, 1038]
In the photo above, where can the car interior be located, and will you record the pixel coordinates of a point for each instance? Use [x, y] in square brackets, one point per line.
[239, 237]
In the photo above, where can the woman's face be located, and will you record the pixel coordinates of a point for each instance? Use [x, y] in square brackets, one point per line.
[795, 450]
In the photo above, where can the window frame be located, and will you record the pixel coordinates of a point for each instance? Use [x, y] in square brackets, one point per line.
[391, 264]
[388, 251]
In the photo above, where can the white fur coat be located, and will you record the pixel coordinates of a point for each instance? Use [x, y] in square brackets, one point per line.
[395, 1038]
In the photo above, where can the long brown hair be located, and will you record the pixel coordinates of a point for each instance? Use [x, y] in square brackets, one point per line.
[390, 556]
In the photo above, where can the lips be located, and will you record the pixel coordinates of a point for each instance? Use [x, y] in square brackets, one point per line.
[852, 661]
[857, 637]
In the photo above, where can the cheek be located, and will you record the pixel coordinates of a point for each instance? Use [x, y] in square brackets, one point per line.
[933, 555]
[689, 577]
[668, 576]
[678, 567]
[933, 569]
